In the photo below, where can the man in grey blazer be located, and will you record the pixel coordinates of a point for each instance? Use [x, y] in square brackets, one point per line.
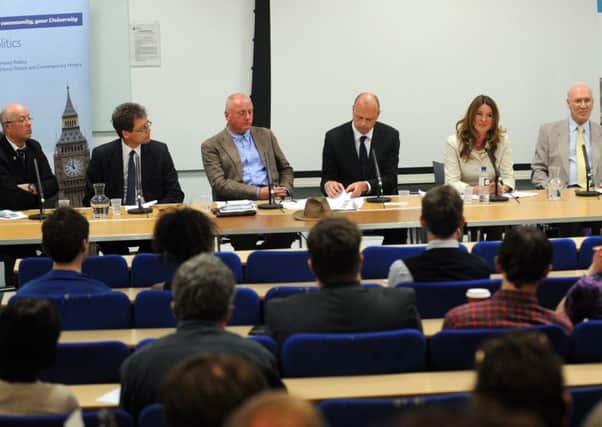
[557, 141]
[341, 304]
[237, 161]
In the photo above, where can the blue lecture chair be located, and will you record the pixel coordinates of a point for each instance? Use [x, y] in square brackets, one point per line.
[30, 268]
[318, 355]
[152, 416]
[232, 260]
[278, 266]
[552, 289]
[583, 400]
[111, 310]
[378, 259]
[148, 269]
[87, 363]
[110, 269]
[586, 342]
[586, 251]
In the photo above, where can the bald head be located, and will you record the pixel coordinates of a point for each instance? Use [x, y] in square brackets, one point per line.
[239, 113]
[16, 123]
[580, 102]
[366, 109]
[276, 409]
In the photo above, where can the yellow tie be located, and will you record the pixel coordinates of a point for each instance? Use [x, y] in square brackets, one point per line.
[581, 174]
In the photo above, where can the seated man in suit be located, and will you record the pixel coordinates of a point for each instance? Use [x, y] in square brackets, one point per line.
[65, 240]
[237, 160]
[561, 144]
[348, 157]
[203, 289]
[18, 182]
[114, 163]
[341, 304]
[524, 259]
[442, 218]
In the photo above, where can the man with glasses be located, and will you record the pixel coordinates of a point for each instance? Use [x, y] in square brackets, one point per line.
[18, 183]
[134, 156]
[559, 143]
[115, 162]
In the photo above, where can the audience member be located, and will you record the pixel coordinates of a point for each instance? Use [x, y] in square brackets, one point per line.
[335, 258]
[180, 234]
[237, 161]
[276, 409]
[479, 136]
[203, 289]
[584, 299]
[524, 259]
[65, 241]
[205, 389]
[443, 219]
[29, 331]
[521, 372]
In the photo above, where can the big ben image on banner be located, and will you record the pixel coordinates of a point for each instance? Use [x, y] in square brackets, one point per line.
[71, 157]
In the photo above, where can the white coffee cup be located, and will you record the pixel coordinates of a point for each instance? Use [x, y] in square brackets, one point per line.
[477, 294]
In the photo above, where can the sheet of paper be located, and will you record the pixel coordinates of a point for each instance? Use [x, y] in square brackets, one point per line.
[8, 215]
[110, 397]
[344, 202]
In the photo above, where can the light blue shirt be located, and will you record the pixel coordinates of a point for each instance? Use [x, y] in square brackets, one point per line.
[253, 169]
[573, 132]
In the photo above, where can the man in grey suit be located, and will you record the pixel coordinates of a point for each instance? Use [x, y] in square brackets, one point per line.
[236, 162]
[557, 142]
[341, 304]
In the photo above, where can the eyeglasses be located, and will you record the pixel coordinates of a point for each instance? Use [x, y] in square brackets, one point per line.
[21, 119]
[145, 127]
[582, 101]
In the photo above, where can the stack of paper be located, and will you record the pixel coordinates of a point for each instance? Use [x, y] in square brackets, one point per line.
[234, 208]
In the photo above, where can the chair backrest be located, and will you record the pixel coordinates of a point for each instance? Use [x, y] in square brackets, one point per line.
[586, 342]
[435, 299]
[148, 269]
[278, 266]
[563, 258]
[266, 341]
[232, 260]
[586, 251]
[87, 363]
[373, 412]
[378, 259]
[439, 172]
[318, 355]
[583, 400]
[90, 418]
[552, 289]
[111, 310]
[152, 416]
[454, 349]
[152, 309]
[110, 269]
[31, 268]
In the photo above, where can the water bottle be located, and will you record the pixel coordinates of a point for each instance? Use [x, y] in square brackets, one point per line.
[483, 185]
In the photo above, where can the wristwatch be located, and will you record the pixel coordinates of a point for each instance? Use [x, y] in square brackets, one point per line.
[32, 187]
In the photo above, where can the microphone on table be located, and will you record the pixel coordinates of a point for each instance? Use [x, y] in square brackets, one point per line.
[41, 215]
[139, 209]
[495, 197]
[379, 188]
[270, 204]
[588, 178]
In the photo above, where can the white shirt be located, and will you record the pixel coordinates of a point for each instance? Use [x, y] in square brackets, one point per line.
[125, 157]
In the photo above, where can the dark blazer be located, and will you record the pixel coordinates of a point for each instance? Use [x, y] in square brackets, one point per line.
[159, 176]
[343, 308]
[341, 163]
[13, 173]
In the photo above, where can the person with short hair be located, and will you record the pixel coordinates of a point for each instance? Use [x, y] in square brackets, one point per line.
[114, 163]
[206, 388]
[29, 331]
[443, 219]
[479, 134]
[65, 241]
[276, 409]
[524, 260]
[522, 373]
[203, 290]
[334, 256]
[181, 234]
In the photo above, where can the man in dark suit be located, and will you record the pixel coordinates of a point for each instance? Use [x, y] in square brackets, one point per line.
[18, 183]
[114, 163]
[341, 304]
[347, 157]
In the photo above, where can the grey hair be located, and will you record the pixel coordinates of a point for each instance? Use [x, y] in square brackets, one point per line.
[203, 289]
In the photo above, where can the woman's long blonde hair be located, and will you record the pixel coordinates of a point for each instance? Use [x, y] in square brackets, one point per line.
[467, 134]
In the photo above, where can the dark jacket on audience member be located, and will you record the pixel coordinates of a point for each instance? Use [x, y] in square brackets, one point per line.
[143, 373]
[63, 282]
[343, 308]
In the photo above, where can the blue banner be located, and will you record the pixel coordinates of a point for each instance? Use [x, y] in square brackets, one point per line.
[44, 61]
